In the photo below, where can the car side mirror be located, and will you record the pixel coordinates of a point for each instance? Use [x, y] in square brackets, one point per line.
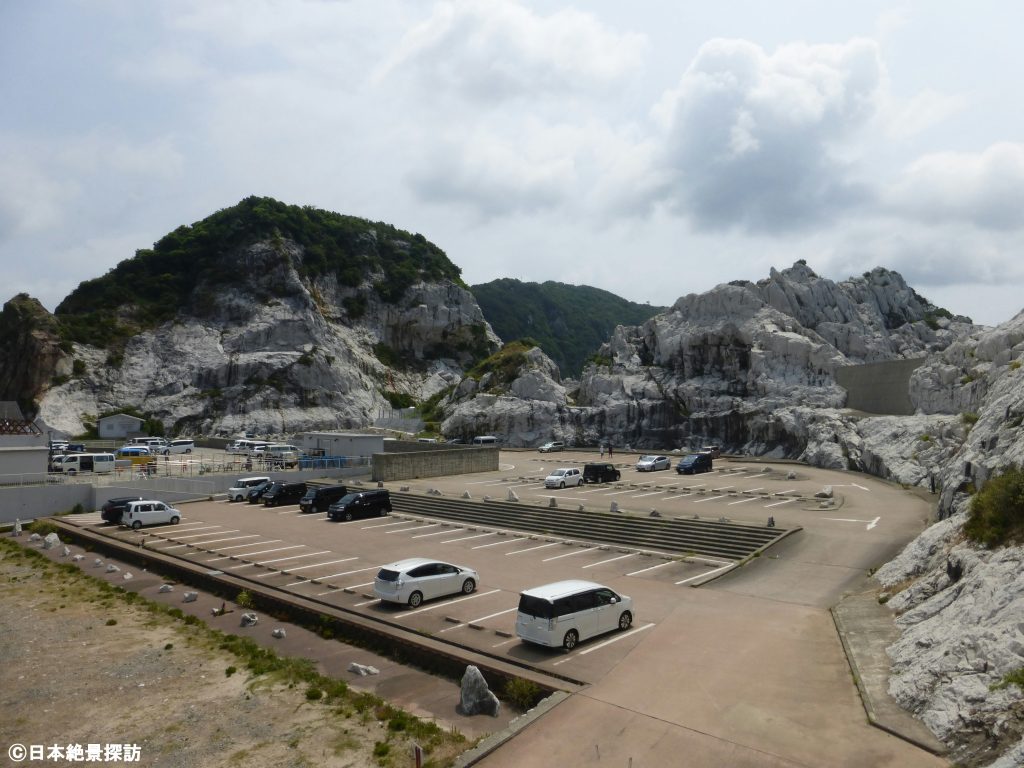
[614, 600]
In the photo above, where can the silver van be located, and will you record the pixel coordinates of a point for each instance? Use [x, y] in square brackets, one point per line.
[565, 612]
[98, 463]
[149, 512]
[239, 490]
[485, 440]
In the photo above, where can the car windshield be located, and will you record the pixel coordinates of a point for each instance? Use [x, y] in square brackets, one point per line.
[348, 498]
[386, 574]
[648, 458]
[558, 473]
[688, 461]
[535, 606]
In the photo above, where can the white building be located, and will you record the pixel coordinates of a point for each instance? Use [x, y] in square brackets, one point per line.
[119, 426]
[339, 443]
[23, 448]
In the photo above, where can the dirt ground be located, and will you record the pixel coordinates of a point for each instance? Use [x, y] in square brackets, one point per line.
[79, 664]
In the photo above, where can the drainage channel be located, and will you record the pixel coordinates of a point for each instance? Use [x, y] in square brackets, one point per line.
[444, 657]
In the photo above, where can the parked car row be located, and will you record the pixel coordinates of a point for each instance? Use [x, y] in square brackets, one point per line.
[338, 501]
[137, 511]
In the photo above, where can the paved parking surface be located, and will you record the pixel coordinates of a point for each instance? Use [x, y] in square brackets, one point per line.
[747, 670]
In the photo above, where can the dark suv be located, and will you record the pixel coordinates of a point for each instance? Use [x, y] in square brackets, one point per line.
[600, 473]
[694, 464]
[319, 499]
[111, 511]
[283, 493]
[360, 504]
[255, 495]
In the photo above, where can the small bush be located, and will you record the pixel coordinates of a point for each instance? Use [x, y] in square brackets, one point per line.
[314, 694]
[230, 671]
[925, 438]
[381, 749]
[522, 694]
[169, 646]
[111, 622]
[1015, 365]
[997, 511]
[244, 599]
[1013, 678]
[969, 419]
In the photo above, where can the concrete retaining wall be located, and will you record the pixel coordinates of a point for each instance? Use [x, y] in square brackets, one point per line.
[882, 388]
[433, 461]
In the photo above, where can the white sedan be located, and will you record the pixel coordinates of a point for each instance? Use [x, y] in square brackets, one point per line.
[652, 463]
[417, 579]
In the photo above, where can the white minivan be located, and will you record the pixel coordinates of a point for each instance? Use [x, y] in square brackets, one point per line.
[239, 491]
[149, 512]
[100, 463]
[565, 612]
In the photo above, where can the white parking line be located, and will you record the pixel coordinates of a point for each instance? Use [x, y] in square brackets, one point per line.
[610, 560]
[531, 549]
[616, 493]
[723, 488]
[780, 503]
[415, 528]
[436, 533]
[651, 568]
[709, 498]
[384, 525]
[447, 603]
[743, 501]
[367, 602]
[594, 490]
[192, 526]
[569, 554]
[499, 543]
[788, 490]
[751, 490]
[702, 575]
[467, 538]
[652, 493]
[200, 535]
[314, 565]
[268, 551]
[476, 621]
[345, 573]
[599, 646]
[242, 546]
[292, 557]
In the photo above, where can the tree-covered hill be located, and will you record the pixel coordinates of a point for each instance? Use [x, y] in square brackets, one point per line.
[158, 282]
[569, 322]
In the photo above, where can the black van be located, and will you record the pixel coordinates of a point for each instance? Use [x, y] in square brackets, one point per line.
[694, 464]
[319, 498]
[283, 493]
[360, 504]
[600, 473]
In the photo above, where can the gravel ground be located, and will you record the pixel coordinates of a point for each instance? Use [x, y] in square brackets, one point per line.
[79, 665]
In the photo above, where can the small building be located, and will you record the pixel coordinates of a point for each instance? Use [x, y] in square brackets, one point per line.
[339, 443]
[23, 447]
[119, 426]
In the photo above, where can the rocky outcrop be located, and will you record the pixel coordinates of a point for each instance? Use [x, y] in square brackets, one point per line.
[31, 352]
[275, 352]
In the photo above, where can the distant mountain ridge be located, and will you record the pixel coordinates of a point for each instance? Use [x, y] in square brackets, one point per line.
[568, 322]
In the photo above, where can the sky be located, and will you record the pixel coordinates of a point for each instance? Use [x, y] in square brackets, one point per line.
[651, 149]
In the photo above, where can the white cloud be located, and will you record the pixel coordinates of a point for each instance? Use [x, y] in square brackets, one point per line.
[925, 110]
[31, 198]
[759, 141]
[981, 189]
[492, 50]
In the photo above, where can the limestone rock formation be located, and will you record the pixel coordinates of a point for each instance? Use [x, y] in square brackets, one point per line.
[31, 352]
[476, 698]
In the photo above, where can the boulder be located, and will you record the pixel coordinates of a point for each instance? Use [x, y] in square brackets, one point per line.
[51, 541]
[279, 633]
[249, 620]
[190, 597]
[111, 568]
[476, 698]
[363, 669]
[166, 588]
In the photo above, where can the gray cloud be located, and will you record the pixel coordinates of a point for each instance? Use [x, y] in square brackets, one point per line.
[755, 141]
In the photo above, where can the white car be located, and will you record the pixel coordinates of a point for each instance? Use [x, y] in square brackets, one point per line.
[564, 476]
[178, 446]
[239, 491]
[149, 512]
[651, 463]
[555, 445]
[417, 579]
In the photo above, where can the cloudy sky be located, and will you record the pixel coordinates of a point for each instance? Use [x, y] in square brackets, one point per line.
[653, 149]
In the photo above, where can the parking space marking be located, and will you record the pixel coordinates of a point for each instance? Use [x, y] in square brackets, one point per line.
[652, 493]
[706, 573]
[570, 554]
[314, 565]
[710, 498]
[447, 603]
[610, 560]
[506, 642]
[743, 501]
[415, 528]
[345, 573]
[242, 546]
[467, 538]
[532, 549]
[616, 493]
[212, 541]
[367, 602]
[278, 559]
[313, 516]
[384, 525]
[449, 529]
[499, 543]
[599, 646]
[192, 526]
[723, 488]
[780, 503]
[477, 621]
[651, 568]
[788, 490]
[268, 551]
[200, 535]
[593, 490]
[751, 490]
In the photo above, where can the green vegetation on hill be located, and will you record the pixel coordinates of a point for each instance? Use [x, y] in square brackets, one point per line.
[569, 322]
[158, 282]
[997, 511]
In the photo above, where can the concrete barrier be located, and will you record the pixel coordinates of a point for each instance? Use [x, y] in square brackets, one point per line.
[433, 461]
[882, 388]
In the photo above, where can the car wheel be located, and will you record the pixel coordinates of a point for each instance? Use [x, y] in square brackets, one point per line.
[382, 512]
[625, 620]
[562, 485]
[136, 525]
[571, 638]
[188, 450]
[348, 517]
[175, 520]
[415, 599]
[468, 587]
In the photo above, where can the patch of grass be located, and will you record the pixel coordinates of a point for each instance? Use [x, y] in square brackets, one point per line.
[997, 511]
[522, 694]
[111, 622]
[1014, 365]
[925, 438]
[1016, 677]
[969, 419]
[244, 599]
[230, 671]
[314, 694]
